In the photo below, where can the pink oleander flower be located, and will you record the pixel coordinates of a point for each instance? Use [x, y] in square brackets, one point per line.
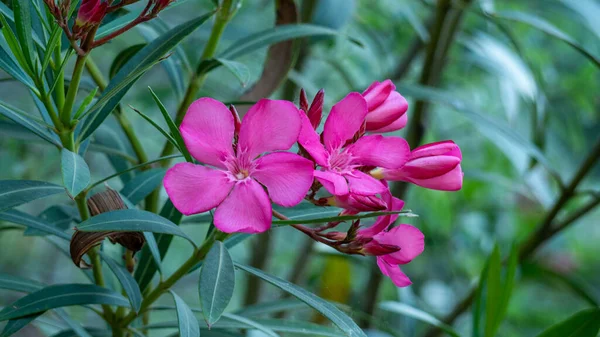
[407, 240]
[387, 108]
[91, 12]
[435, 166]
[354, 203]
[236, 179]
[340, 162]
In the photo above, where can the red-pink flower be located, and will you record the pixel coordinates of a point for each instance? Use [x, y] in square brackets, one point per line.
[91, 12]
[354, 203]
[411, 242]
[387, 108]
[236, 179]
[435, 166]
[339, 162]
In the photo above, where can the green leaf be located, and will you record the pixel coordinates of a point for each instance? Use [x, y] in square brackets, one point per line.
[239, 70]
[299, 220]
[188, 324]
[22, 119]
[14, 325]
[493, 293]
[136, 67]
[217, 280]
[143, 184]
[52, 43]
[172, 127]
[153, 247]
[267, 331]
[123, 57]
[127, 281]
[93, 332]
[61, 295]
[16, 283]
[268, 37]
[270, 307]
[20, 218]
[23, 23]
[17, 192]
[585, 323]
[146, 266]
[169, 138]
[75, 172]
[115, 24]
[85, 103]
[11, 68]
[420, 315]
[548, 28]
[509, 280]
[75, 327]
[131, 220]
[328, 310]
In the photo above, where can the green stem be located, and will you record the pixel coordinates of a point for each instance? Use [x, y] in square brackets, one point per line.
[60, 85]
[223, 16]
[96, 74]
[199, 255]
[65, 114]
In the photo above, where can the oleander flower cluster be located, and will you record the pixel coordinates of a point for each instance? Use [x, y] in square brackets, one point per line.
[246, 165]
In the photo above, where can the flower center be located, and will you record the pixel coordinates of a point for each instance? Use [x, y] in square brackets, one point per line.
[239, 167]
[340, 160]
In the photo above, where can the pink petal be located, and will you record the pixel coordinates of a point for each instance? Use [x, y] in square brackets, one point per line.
[247, 209]
[377, 93]
[383, 222]
[430, 167]
[446, 147]
[309, 139]
[394, 107]
[451, 181]
[393, 272]
[376, 150]
[394, 126]
[269, 125]
[207, 130]
[196, 188]
[363, 184]
[287, 177]
[410, 240]
[345, 119]
[333, 182]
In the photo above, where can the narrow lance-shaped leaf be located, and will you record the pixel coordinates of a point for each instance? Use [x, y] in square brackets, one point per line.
[407, 310]
[21, 218]
[23, 23]
[61, 296]
[27, 122]
[217, 280]
[152, 245]
[127, 281]
[493, 293]
[75, 172]
[188, 324]
[131, 220]
[142, 185]
[137, 65]
[328, 310]
[14, 325]
[17, 192]
[585, 323]
[172, 127]
[16, 283]
[11, 68]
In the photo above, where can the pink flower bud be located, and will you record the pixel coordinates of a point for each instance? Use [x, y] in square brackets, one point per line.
[315, 112]
[377, 249]
[236, 119]
[355, 203]
[91, 12]
[303, 101]
[387, 108]
[435, 166]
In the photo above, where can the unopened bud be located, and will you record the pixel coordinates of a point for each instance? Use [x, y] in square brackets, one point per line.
[315, 112]
[91, 12]
[236, 119]
[303, 101]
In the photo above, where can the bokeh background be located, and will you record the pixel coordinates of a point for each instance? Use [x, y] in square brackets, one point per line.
[504, 90]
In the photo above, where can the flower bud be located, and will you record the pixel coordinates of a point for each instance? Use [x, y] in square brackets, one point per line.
[236, 119]
[377, 249]
[387, 108]
[303, 101]
[91, 12]
[315, 112]
[159, 5]
[435, 166]
[358, 203]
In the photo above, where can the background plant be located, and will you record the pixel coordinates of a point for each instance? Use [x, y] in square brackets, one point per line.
[513, 83]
